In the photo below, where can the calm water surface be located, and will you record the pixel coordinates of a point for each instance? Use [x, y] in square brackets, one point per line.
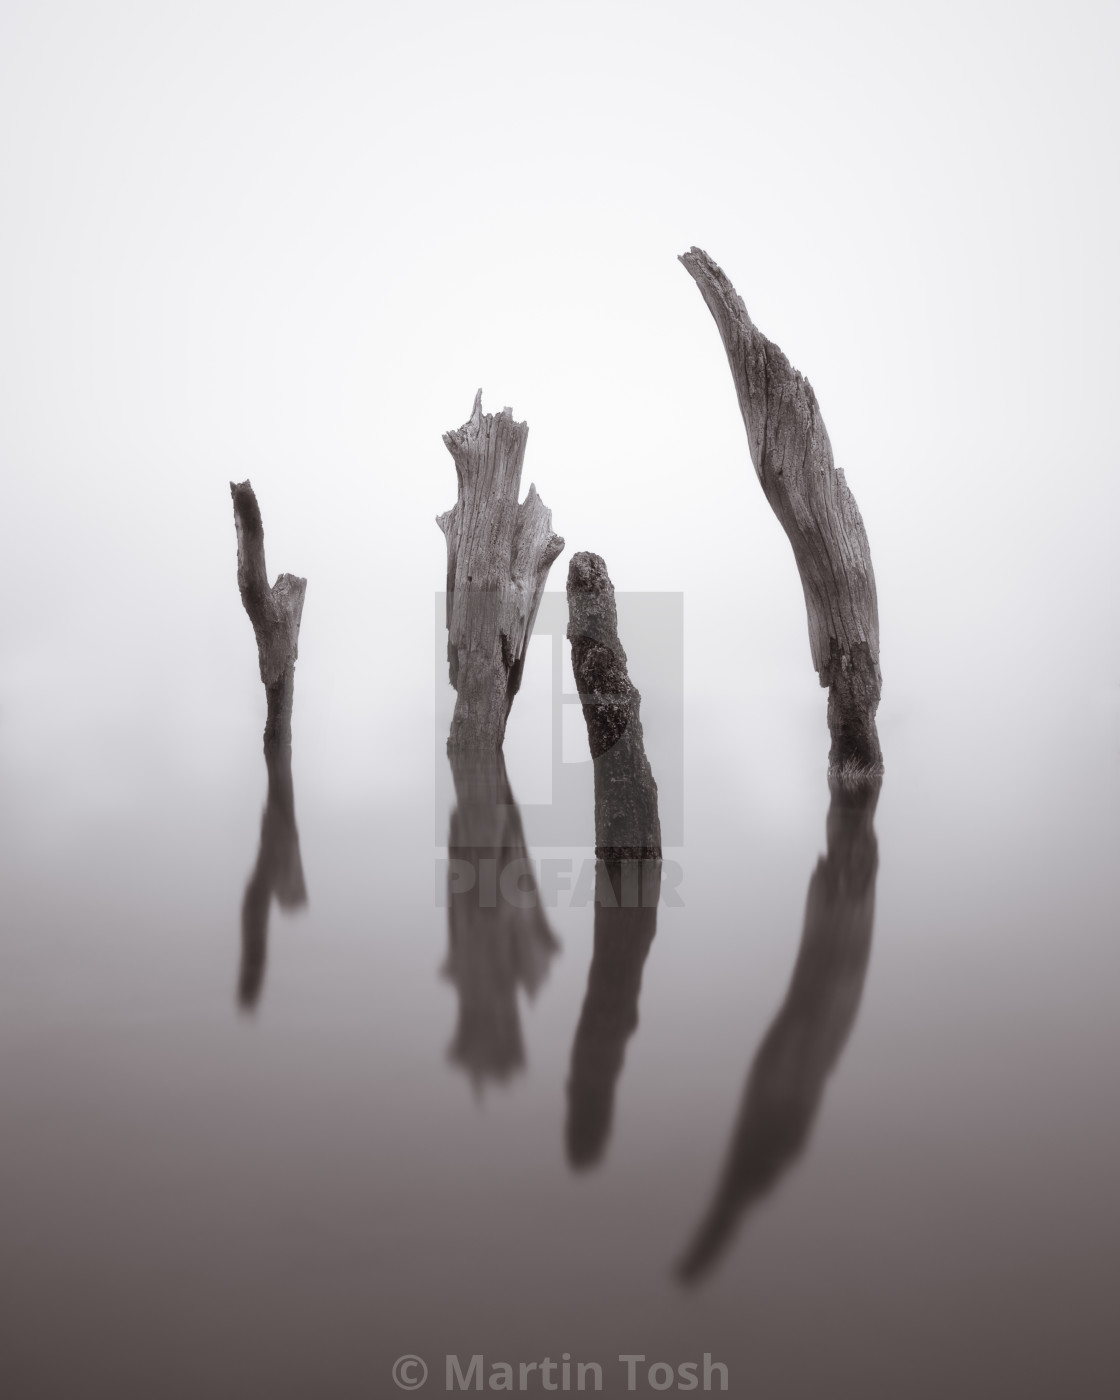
[843, 1117]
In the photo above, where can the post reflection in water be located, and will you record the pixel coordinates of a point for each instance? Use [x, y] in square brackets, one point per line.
[498, 936]
[625, 924]
[278, 872]
[786, 1082]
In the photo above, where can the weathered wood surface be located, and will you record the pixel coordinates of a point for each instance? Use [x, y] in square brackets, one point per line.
[499, 938]
[627, 826]
[499, 553]
[625, 927]
[800, 1050]
[792, 457]
[274, 612]
[278, 873]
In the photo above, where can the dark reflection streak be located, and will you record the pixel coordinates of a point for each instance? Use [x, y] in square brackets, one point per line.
[801, 1048]
[497, 933]
[278, 871]
[609, 1018]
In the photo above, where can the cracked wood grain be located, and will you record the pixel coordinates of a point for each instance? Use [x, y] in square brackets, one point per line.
[499, 553]
[792, 458]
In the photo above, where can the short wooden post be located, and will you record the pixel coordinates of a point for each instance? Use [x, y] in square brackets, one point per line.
[274, 612]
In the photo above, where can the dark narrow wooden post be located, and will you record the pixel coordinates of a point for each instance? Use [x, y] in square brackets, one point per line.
[800, 1050]
[274, 612]
[792, 456]
[498, 557]
[627, 826]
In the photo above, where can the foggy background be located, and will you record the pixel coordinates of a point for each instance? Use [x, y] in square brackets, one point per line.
[289, 241]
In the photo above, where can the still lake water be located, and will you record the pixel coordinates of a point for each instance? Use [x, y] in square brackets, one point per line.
[844, 1117]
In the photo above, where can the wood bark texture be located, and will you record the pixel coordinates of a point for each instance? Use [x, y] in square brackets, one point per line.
[278, 874]
[792, 457]
[624, 930]
[499, 553]
[800, 1050]
[274, 612]
[627, 826]
[498, 935]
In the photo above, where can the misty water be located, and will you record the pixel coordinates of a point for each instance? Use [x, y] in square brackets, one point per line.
[840, 1112]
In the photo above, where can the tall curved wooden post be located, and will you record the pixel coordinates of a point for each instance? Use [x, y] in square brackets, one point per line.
[793, 459]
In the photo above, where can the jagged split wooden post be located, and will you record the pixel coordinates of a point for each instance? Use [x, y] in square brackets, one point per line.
[498, 557]
[627, 826]
[274, 612]
[792, 456]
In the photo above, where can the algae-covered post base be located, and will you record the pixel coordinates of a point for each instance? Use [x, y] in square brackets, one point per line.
[499, 553]
[792, 457]
[274, 612]
[627, 826]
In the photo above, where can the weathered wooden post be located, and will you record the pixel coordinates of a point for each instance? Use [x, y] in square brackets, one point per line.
[627, 826]
[278, 873]
[274, 612]
[800, 1050]
[792, 456]
[498, 557]
[628, 845]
